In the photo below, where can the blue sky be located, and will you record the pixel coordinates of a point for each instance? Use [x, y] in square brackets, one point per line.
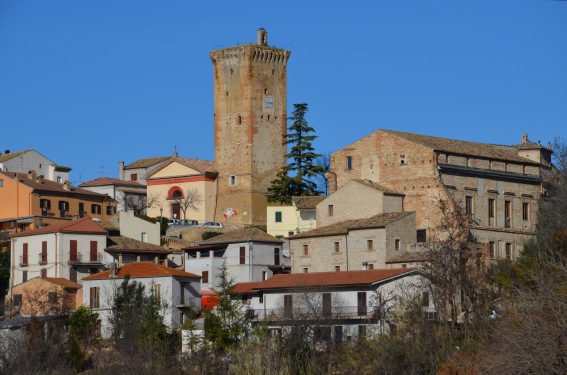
[91, 83]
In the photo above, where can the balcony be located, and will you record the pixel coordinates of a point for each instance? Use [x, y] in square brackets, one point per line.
[187, 302]
[41, 259]
[78, 259]
[335, 313]
[23, 261]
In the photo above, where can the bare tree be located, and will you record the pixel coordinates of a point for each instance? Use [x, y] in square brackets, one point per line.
[138, 203]
[191, 199]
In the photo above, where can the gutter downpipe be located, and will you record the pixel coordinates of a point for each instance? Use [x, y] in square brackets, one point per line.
[346, 246]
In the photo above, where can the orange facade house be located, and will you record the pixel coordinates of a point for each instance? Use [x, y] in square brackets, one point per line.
[29, 201]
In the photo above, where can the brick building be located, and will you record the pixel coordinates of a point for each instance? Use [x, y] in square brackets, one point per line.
[497, 185]
[250, 105]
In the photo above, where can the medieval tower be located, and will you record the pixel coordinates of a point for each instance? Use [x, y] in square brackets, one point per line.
[250, 106]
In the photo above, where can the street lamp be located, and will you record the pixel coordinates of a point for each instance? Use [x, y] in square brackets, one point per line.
[160, 219]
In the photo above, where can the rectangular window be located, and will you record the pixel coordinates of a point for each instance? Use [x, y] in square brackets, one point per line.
[73, 253]
[24, 276]
[370, 244]
[242, 255]
[330, 210]
[1, 183]
[94, 251]
[525, 211]
[232, 180]
[110, 210]
[276, 256]
[397, 245]
[43, 257]
[45, 205]
[134, 177]
[469, 205]
[43, 272]
[491, 210]
[63, 208]
[508, 214]
[337, 268]
[17, 299]
[349, 163]
[278, 216]
[508, 250]
[361, 299]
[82, 209]
[425, 299]
[205, 277]
[422, 235]
[337, 247]
[306, 270]
[370, 266]
[305, 250]
[326, 305]
[157, 292]
[25, 255]
[52, 297]
[95, 297]
[264, 275]
[144, 237]
[288, 305]
[492, 249]
[95, 209]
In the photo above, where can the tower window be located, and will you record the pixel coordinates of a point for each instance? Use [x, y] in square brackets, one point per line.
[349, 163]
[232, 180]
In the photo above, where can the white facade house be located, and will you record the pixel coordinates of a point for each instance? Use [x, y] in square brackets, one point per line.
[123, 250]
[338, 304]
[178, 291]
[283, 221]
[130, 195]
[249, 255]
[31, 160]
[137, 170]
[70, 250]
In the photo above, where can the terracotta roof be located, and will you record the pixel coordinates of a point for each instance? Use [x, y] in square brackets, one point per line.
[111, 181]
[307, 202]
[147, 162]
[409, 257]
[63, 282]
[201, 166]
[344, 227]
[85, 225]
[484, 150]
[126, 244]
[319, 279]
[243, 235]
[378, 187]
[247, 287]
[48, 185]
[140, 269]
[12, 155]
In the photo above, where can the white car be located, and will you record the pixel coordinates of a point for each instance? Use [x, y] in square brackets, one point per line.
[212, 224]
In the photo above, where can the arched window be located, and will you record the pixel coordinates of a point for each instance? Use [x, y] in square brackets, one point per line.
[175, 192]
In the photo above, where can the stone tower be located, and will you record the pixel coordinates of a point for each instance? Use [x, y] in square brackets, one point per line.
[250, 94]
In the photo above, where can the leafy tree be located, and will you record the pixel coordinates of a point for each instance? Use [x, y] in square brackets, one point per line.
[225, 324]
[295, 178]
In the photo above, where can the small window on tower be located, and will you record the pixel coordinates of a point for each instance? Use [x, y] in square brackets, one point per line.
[349, 163]
[232, 180]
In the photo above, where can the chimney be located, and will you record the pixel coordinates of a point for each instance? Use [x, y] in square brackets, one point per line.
[262, 37]
[39, 179]
[524, 138]
[121, 170]
[32, 175]
[67, 185]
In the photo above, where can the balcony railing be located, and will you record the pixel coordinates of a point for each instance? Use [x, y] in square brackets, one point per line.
[23, 261]
[191, 302]
[79, 258]
[310, 313]
[42, 258]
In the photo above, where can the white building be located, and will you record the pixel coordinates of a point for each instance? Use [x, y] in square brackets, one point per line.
[339, 305]
[69, 250]
[249, 254]
[137, 170]
[130, 195]
[178, 291]
[31, 160]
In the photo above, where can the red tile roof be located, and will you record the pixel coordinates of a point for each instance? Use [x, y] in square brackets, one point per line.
[51, 186]
[111, 181]
[85, 225]
[129, 245]
[147, 162]
[247, 287]
[243, 235]
[140, 269]
[318, 279]
[63, 282]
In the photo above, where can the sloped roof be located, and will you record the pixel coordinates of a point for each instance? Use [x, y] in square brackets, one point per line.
[12, 155]
[103, 181]
[243, 235]
[140, 269]
[307, 202]
[343, 227]
[63, 282]
[409, 257]
[247, 287]
[201, 166]
[85, 225]
[52, 186]
[378, 187]
[326, 279]
[126, 244]
[484, 150]
[147, 162]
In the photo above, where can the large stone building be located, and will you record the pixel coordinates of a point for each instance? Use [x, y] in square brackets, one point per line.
[250, 104]
[497, 185]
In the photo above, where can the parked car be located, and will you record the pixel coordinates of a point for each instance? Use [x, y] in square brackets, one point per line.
[187, 223]
[212, 224]
[171, 222]
[495, 314]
